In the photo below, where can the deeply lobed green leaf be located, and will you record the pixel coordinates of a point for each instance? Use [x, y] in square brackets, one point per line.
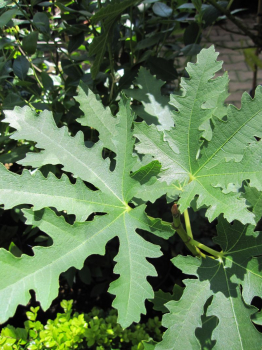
[201, 168]
[220, 278]
[73, 244]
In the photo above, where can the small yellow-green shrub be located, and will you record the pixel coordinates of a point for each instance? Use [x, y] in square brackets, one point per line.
[96, 330]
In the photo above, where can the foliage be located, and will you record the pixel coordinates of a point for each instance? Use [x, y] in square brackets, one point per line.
[98, 143]
[95, 330]
[203, 161]
[47, 48]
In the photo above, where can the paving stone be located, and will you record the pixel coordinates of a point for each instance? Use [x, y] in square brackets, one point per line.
[221, 38]
[236, 86]
[259, 74]
[237, 58]
[224, 58]
[227, 51]
[233, 76]
[240, 66]
[245, 75]
[240, 74]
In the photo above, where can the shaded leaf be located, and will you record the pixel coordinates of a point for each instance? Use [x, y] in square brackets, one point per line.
[148, 42]
[220, 278]
[191, 34]
[155, 108]
[30, 42]
[163, 69]
[7, 16]
[41, 21]
[191, 50]
[161, 298]
[161, 9]
[75, 41]
[97, 116]
[47, 81]
[21, 67]
[109, 15]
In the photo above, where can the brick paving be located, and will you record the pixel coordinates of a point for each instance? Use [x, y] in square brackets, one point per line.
[230, 45]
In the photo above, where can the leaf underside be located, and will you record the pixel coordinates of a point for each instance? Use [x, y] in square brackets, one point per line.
[196, 149]
[220, 279]
[203, 168]
[73, 244]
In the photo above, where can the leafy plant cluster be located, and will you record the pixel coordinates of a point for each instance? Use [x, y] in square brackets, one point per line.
[95, 154]
[47, 48]
[194, 149]
[95, 330]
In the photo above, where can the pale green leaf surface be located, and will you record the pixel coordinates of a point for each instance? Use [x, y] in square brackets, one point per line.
[154, 189]
[241, 333]
[216, 107]
[257, 318]
[200, 167]
[221, 278]
[43, 192]
[132, 266]
[96, 116]
[184, 317]
[155, 108]
[151, 188]
[60, 148]
[149, 344]
[254, 198]
[115, 189]
[231, 137]
[71, 246]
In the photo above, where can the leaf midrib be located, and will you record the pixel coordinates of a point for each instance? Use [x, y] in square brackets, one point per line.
[65, 197]
[70, 252]
[77, 160]
[233, 310]
[226, 141]
[190, 120]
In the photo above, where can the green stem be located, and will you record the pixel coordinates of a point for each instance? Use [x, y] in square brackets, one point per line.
[187, 236]
[188, 225]
[177, 225]
[229, 4]
[206, 249]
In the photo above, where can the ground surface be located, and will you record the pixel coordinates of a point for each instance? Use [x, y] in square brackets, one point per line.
[230, 46]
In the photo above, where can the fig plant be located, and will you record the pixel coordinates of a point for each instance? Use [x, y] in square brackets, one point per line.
[195, 150]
